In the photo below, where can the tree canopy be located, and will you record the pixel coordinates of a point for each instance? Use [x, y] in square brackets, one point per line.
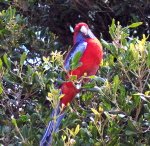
[57, 15]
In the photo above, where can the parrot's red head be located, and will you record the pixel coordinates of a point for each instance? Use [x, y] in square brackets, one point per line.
[79, 26]
[81, 32]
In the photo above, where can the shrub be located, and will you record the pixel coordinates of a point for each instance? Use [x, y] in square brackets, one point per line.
[112, 109]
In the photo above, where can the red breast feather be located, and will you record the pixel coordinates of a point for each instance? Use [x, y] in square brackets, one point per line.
[69, 90]
[90, 60]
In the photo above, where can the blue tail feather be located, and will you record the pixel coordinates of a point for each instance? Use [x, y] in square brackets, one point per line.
[52, 127]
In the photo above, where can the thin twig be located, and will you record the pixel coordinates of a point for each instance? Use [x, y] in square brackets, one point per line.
[146, 80]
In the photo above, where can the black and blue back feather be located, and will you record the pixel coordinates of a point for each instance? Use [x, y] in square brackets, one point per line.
[52, 127]
[78, 47]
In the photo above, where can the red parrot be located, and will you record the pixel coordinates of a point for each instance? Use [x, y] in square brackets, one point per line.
[88, 50]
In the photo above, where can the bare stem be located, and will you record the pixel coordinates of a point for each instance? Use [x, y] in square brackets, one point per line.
[146, 79]
[138, 110]
[17, 129]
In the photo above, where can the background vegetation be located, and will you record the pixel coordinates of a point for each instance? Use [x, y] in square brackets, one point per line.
[112, 110]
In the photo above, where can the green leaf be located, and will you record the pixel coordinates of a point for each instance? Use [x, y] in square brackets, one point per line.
[24, 118]
[75, 61]
[77, 129]
[105, 44]
[128, 132]
[116, 83]
[14, 122]
[97, 78]
[1, 64]
[95, 111]
[7, 61]
[46, 59]
[141, 96]
[71, 132]
[90, 85]
[87, 96]
[22, 59]
[73, 77]
[111, 60]
[112, 28]
[11, 12]
[25, 131]
[133, 25]
[1, 89]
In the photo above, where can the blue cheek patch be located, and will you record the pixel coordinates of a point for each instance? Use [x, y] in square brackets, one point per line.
[80, 38]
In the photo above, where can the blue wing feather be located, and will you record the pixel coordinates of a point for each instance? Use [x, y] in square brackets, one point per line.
[52, 127]
[78, 47]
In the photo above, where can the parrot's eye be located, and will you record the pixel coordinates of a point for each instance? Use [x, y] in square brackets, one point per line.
[84, 30]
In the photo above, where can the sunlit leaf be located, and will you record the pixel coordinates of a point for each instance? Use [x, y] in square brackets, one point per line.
[71, 132]
[95, 111]
[100, 109]
[147, 93]
[116, 83]
[7, 61]
[112, 28]
[133, 25]
[1, 64]
[22, 59]
[63, 137]
[77, 129]
[46, 60]
[14, 122]
[1, 89]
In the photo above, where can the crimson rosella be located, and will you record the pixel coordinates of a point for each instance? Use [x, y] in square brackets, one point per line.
[90, 56]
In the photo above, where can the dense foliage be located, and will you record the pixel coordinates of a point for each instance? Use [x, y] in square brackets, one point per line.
[113, 109]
